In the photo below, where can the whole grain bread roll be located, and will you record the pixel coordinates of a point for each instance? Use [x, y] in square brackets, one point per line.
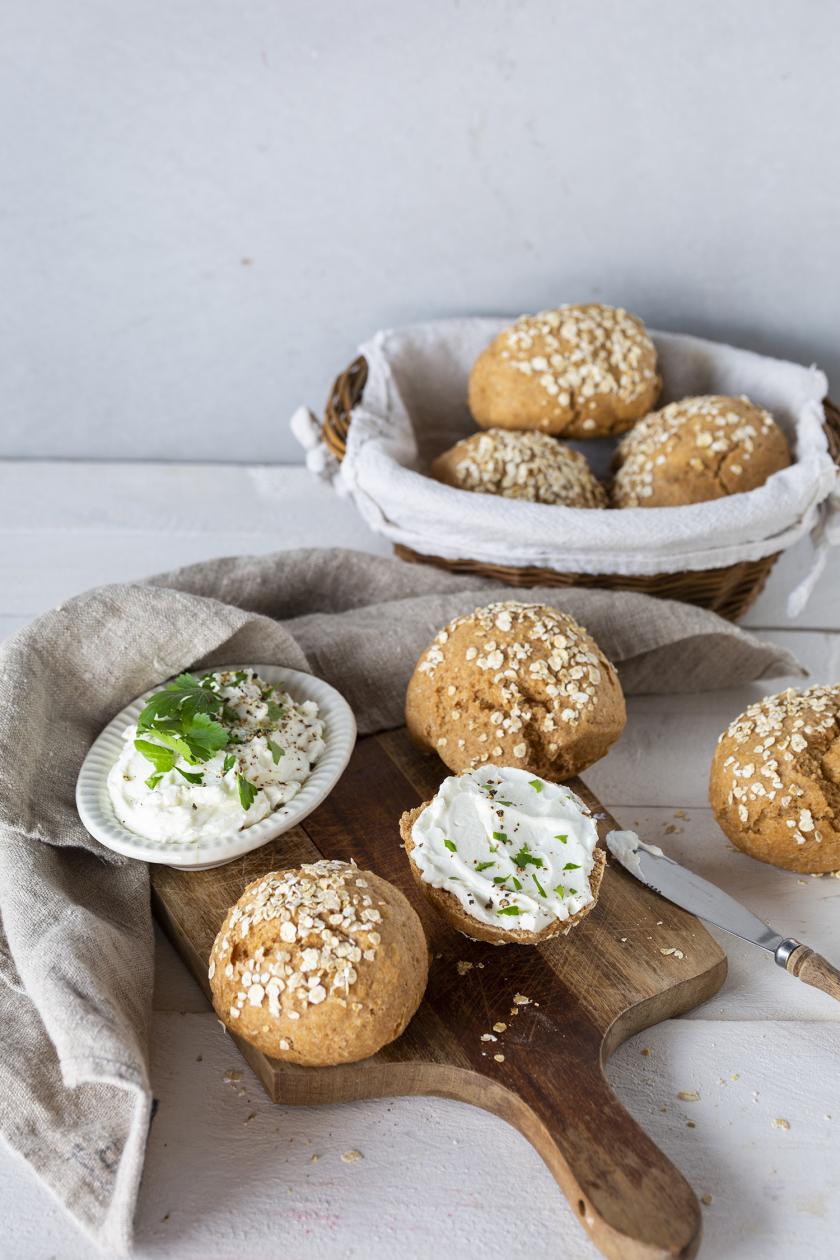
[529, 466]
[448, 905]
[517, 683]
[319, 964]
[695, 450]
[581, 371]
[775, 780]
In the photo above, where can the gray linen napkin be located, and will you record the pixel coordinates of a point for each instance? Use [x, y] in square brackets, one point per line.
[76, 948]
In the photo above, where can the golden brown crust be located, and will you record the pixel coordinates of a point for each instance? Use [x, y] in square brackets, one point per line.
[581, 371]
[774, 785]
[519, 684]
[319, 965]
[529, 466]
[696, 450]
[448, 905]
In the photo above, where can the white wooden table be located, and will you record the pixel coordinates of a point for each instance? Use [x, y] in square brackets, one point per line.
[229, 1174]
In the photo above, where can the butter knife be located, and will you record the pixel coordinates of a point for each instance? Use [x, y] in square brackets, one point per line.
[678, 884]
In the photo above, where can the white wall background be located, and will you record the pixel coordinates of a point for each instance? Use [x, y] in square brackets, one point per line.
[206, 204]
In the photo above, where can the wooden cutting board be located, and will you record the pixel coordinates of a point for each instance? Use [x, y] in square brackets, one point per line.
[586, 994]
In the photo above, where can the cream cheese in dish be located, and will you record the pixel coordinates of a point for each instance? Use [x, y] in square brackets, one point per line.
[515, 850]
[213, 755]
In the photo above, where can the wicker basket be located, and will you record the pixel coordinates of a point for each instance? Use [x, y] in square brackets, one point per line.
[729, 591]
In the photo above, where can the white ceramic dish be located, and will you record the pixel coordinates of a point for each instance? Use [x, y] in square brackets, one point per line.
[97, 812]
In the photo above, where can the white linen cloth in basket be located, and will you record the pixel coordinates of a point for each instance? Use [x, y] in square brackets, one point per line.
[415, 405]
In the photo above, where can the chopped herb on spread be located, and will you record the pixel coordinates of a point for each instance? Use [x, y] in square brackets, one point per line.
[523, 858]
[247, 792]
[190, 776]
[536, 784]
[484, 866]
[562, 839]
[451, 846]
[275, 750]
[510, 910]
[540, 888]
[572, 866]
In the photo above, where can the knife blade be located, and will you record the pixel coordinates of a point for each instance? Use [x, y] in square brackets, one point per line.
[699, 896]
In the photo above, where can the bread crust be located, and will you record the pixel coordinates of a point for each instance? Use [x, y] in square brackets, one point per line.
[345, 1019]
[518, 684]
[774, 784]
[448, 905]
[696, 450]
[580, 371]
[528, 466]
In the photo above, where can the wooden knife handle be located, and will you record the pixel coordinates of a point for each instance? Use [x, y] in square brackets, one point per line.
[815, 970]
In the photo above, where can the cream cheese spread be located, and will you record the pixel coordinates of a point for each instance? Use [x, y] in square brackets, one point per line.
[624, 847]
[213, 755]
[515, 850]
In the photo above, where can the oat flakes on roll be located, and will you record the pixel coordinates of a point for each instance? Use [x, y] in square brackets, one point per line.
[515, 684]
[529, 466]
[581, 371]
[775, 780]
[319, 964]
[698, 449]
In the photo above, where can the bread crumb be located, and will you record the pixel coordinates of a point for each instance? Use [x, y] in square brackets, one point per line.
[500, 1026]
[488, 1037]
[313, 1159]
[672, 950]
[673, 830]
[646, 1051]
[680, 813]
[689, 1124]
[231, 1076]
[708, 1199]
[351, 1157]
[781, 1123]
[464, 966]
[500, 1058]
[521, 1000]
[688, 1095]
[249, 1118]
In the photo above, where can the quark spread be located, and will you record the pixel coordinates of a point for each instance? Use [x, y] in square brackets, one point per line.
[516, 850]
[212, 755]
[624, 847]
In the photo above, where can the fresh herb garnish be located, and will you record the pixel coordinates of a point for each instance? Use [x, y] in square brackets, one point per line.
[275, 750]
[523, 858]
[181, 716]
[162, 759]
[536, 784]
[560, 890]
[562, 839]
[229, 763]
[192, 777]
[152, 781]
[540, 888]
[275, 711]
[448, 844]
[500, 835]
[484, 866]
[499, 879]
[572, 866]
[509, 910]
[247, 791]
[516, 883]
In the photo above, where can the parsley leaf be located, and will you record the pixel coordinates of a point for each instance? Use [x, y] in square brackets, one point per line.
[204, 735]
[483, 866]
[229, 763]
[275, 711]
[500, 835]
[560, 890]
[516, 883]
[247, 791]
[192, 777]
[162, 759]
[152, 781]
[540, 888]
[448, 844]
[276, 751]
[182, 698]
[509, 910]
[562, 839]
[536, 784]
[572, 866]
[523, 858]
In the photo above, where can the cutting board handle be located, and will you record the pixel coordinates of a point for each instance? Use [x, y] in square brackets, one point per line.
[633, 1201]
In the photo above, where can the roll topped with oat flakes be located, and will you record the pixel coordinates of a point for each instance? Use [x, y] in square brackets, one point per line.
[698, 449]
[775, 780]
[320, 964]
[581, 371]
[529, 466]
[519, 684]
